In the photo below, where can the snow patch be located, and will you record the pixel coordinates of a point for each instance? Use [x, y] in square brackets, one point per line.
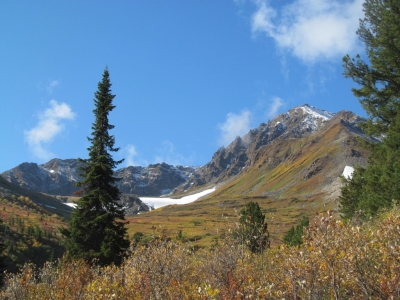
[160, 202]
[317, 113]
[348, 172]
[73, 205]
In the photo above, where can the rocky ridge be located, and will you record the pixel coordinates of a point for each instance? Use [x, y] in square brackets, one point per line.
[58, 177]
[243, 152]
[154, 180]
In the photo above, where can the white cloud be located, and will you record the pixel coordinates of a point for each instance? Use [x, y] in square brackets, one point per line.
[169, 155]
[52, 85]
[234, 126]
[131, 153]
[274, 107]
[132, 157]
[49, 126]
[311, 29]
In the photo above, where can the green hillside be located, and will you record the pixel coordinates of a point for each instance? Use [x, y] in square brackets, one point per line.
[30, 225]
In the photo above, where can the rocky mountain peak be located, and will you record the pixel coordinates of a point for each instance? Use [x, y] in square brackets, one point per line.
[63, 167]
[155, 180]
[302, 120]
[298, 122]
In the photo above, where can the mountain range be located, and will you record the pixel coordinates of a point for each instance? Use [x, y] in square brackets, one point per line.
[298, 153]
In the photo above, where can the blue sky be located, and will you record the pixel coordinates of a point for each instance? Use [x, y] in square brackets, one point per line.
[189, 76]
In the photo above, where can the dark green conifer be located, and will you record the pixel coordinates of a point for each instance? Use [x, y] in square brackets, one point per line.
[97, 229]
[379, 78]
[294, 237]
[378, 185]
[253, 231]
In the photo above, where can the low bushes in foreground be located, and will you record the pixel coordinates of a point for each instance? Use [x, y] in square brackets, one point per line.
[336, 261]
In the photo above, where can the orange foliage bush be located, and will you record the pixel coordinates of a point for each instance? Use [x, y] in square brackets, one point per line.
[336, 261]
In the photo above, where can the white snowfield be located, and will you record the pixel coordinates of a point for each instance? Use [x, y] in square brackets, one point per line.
[160, 202]
[348, 172]
[73, 205]
[156, 202]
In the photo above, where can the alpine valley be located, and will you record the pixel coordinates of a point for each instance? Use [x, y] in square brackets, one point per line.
[290, 165]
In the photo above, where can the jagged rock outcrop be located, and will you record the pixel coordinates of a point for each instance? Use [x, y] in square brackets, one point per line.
[305, 161]
[242, 153]
[155, 180]
[132, 204]
[58, 177]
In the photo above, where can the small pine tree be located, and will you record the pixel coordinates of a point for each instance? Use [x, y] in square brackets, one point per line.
[253, 231]
[96, 230]
[294, 237]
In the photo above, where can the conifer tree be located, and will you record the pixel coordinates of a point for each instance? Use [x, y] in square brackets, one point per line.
[253, 231]
[379, 80]
[294, 237]
[97, 229]
[378, 185]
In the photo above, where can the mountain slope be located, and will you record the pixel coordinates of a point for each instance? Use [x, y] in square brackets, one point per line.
[306, 166]
[46, 203]
[243, 153]
[290, 172]
[30, 226]
[58, 177]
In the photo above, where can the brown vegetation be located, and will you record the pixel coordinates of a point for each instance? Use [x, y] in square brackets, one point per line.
[336, 261]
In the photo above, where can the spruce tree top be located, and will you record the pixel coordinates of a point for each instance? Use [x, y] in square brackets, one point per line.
[102, 143]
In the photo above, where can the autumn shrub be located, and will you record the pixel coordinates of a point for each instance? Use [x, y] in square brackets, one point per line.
[337, 260]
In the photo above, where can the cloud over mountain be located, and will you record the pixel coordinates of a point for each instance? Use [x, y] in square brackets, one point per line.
[50, 125]
[235, 125]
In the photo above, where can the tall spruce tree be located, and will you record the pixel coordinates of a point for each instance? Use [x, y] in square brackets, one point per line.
[97, 229]
[378, 185]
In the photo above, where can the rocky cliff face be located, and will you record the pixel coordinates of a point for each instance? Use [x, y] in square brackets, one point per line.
[132, 204]
[58, 177]
[155, 180]
[303, 162]
[229, 161]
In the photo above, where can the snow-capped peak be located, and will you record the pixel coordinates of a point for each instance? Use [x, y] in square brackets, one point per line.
[316, 112]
